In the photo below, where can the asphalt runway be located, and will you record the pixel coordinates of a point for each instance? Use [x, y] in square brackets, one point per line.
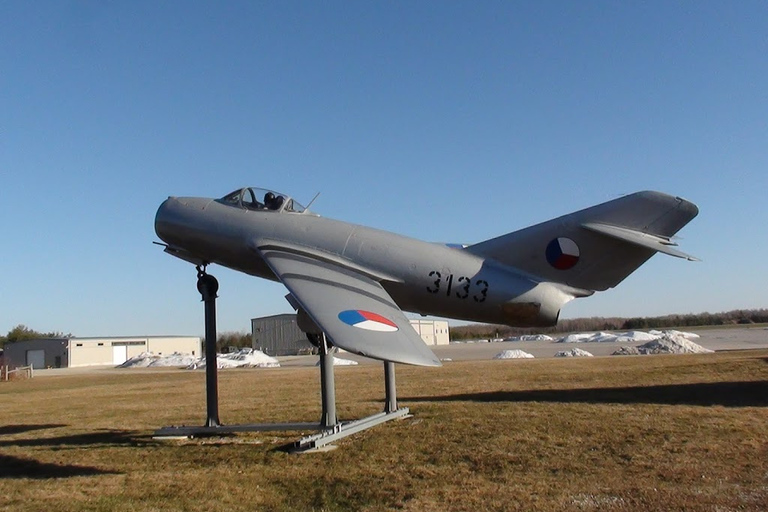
[713, 339]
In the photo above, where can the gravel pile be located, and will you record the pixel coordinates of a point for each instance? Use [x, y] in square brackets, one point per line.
[513, 354]
[574, 352]
[668, 344]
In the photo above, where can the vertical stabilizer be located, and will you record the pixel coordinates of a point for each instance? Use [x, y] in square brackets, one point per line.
[595, 248]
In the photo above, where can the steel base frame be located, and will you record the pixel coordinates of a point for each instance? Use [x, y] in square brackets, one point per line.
[329, 427]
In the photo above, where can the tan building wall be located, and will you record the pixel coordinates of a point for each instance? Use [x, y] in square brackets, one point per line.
[433, 332]
[182, 344]
[115, 351]
[73, 352]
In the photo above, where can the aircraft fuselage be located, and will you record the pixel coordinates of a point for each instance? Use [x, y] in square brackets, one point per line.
[421, 277]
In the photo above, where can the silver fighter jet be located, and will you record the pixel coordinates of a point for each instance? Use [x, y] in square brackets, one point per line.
[353, 282]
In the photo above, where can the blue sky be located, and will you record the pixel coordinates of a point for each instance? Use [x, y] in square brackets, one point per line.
[446, 121]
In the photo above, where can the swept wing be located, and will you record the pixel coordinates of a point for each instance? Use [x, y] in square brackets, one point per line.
[352, 309]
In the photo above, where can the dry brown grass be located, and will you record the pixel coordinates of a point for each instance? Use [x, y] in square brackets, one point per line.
[642, 433]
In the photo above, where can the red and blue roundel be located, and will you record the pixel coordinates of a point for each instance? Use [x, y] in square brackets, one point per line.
[367, 320]
[562, 253]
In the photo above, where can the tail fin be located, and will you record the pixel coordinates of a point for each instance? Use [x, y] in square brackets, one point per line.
[595, 248]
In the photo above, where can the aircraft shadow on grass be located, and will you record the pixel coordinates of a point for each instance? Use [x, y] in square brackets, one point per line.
[99, 438]
[6, 430]
[727, 394]
[18, 467]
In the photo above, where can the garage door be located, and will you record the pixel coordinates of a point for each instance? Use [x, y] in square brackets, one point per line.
[119, 354]
[36, 358]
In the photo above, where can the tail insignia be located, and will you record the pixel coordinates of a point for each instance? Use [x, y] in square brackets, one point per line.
[562, 253]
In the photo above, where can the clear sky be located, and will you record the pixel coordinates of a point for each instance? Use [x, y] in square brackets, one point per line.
[446, 121]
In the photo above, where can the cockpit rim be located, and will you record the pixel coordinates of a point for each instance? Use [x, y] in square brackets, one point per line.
[259, 199]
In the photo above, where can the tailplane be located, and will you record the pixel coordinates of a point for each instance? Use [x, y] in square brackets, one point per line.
[595, 248]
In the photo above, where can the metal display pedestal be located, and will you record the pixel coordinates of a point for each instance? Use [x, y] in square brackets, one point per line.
[329, 427]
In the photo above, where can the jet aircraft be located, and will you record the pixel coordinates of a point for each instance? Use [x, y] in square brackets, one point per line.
[353, 282]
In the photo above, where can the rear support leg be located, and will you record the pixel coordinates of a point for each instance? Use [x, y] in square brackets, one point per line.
[391, 388]
[327, 385]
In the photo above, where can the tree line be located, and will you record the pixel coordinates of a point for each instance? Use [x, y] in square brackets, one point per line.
[234, 339]
[22, 332]
[483, 331]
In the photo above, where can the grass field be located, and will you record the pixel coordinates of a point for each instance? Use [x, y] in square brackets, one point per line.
[633, 433]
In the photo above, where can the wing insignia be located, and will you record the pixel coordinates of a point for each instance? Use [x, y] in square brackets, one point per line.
[367, 320]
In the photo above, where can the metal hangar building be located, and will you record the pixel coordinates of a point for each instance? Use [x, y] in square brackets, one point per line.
[78, 352]
[279, 335]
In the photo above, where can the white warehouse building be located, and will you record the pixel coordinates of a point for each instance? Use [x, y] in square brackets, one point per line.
[78, 352]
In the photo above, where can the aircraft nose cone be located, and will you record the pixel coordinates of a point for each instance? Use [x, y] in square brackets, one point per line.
[184, 222]
[169, 218]
[161, 218]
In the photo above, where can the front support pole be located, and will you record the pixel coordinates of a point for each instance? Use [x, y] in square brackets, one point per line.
[208, 286]
[327, 385]
[391, 389]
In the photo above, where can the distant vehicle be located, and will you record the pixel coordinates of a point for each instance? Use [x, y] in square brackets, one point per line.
[353, 282]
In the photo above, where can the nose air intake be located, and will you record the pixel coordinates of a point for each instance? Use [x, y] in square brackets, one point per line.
[163, 219]
[179, 215]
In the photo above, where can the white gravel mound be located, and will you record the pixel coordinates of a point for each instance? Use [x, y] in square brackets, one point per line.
[530, 337]
[148, 359]
[683, 334]
[667, 344]
[606, 337]
[175, 360]
[626, 351]
[513, 354]
[672, 344]
[574, 352]
[245, 358]
[660, 334]
[596, 337]
[637, 336]
[140, 361]
[576, 338]
[590, 337]
[625, 337]
[338, 361]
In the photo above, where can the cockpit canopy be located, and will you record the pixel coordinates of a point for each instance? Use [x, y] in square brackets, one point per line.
[262, 199]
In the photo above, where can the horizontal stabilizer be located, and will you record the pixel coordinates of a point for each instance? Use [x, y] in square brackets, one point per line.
[654, 242]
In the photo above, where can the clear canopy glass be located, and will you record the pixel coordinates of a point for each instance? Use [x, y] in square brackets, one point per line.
[252, 198]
